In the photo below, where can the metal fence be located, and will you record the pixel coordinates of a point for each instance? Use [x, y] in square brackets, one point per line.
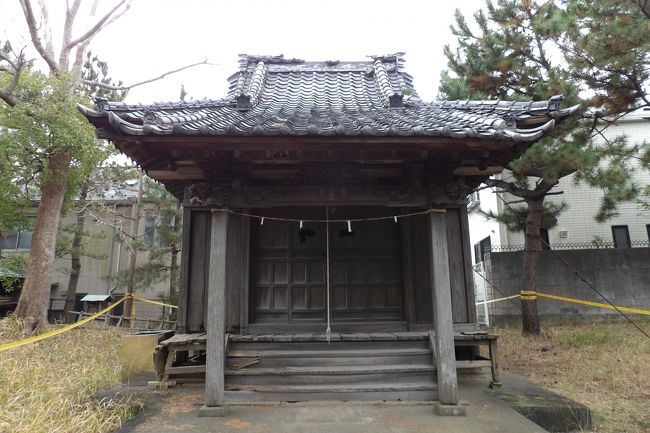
[593, 245]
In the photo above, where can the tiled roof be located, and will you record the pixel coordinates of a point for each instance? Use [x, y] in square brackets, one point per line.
[278, 96]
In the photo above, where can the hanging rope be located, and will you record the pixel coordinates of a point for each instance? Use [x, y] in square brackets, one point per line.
[328, 330]
[345, 220]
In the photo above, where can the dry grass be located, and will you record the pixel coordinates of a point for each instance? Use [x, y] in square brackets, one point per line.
[48, 386]
[603, 365]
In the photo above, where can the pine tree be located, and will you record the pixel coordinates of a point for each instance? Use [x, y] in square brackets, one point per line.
[513, 52]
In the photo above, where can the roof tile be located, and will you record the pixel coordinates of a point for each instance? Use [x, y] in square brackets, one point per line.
[271, 95]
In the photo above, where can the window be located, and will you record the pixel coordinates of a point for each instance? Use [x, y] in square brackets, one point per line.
[16, 240]
[481, 249]
[621, 236]
[474, 200]
[149, 230]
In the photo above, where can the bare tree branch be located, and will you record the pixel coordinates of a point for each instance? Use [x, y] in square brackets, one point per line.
[77, 66]
[131, 86]
[108, 18]
[70, 14]
[48, 56]
[47, 30]
[16, 69]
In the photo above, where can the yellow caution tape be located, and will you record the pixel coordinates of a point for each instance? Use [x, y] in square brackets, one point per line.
[137, 298]
[528, 295]
[58, 331]
[532, 295]
[67, 328]
[594, 304]
[497, 300]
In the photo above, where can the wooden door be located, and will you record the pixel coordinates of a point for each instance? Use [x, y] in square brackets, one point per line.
[288, 279]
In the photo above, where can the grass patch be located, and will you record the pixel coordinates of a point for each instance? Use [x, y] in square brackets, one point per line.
[586, 337]
[49, 386]
[601, 364]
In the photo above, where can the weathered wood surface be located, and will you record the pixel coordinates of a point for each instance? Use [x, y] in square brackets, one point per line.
[207, 195]
[179, 339]
[216, 320]
[467, 265]
[198, 251]
[494, 363]
[456, 266]
[319, 328]
[407, 271]
[183, 298]
[402, 358]
[420, 238]
[445, 357]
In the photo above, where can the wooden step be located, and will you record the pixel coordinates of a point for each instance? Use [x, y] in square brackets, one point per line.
[325, 346]
[339, 392]
[298, 361]
[296, 353]
[329, 374]
[332, 370]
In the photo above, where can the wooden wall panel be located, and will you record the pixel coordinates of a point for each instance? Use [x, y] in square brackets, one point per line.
[421, 253]
[456, 267]
[197, 270]
[233, 275]
[185, 260]
[462, 288]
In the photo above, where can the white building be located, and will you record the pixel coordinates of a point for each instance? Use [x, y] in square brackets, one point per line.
[576, 225]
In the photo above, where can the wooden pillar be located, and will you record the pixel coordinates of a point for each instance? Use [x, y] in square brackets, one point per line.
[216, 318]
[444, 353]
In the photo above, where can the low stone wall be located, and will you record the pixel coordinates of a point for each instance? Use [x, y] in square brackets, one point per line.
[622, 275]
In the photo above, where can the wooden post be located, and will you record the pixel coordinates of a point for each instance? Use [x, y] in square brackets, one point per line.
[445, 356]
[216, 320]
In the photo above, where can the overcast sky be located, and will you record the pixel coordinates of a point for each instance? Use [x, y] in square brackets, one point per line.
[157, 36]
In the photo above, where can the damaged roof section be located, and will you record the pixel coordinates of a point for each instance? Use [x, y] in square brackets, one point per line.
[274, 96]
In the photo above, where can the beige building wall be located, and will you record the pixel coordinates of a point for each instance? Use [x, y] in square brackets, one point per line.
[98, 274]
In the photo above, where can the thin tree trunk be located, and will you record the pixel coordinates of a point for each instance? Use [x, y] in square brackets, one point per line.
[173, 267]
[135, 227]
[35, 294]
[529, 317]
[75, 255]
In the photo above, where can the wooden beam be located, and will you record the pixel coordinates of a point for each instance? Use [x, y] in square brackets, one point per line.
[215, 356]
[475, 171]
[444, 353]
[181, 173]
[319, 195]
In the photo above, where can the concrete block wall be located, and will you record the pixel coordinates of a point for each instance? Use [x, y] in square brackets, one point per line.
[622, 275]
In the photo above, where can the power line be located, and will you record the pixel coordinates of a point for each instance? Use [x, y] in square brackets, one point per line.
[575, 271]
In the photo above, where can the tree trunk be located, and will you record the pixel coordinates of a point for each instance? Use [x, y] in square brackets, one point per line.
[75, 254]
[135, 227]
[173, 267]
[35, 294]
[529, 317]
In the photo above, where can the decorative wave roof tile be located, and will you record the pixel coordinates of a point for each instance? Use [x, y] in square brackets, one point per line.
[271, 95]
